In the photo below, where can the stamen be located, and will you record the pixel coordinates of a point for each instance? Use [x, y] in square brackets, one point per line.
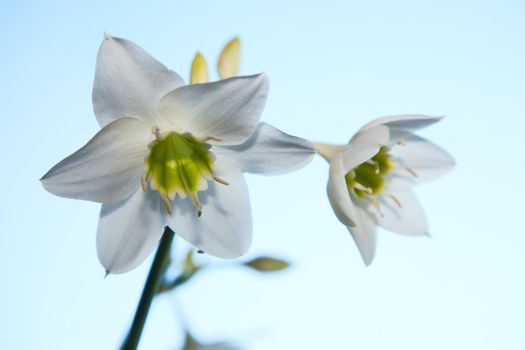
[396, 200]
[211, 138]
[198, 205]
[179, 164]
[401, 142]
[221, 181]
[377, 167]
[143, 183]
[377, 205]
[411, 171]
[363, 188]
[167, 204]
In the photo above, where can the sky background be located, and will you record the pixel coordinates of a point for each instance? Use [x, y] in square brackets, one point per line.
[333, 66]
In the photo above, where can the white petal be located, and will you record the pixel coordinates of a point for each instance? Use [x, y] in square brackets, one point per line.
[228, 109]
[129, 230]
[360, 224]
[377, 135]
[364, 234]
[408, 122]
[356, 154]
[129, 82]
[403, 214]
[420, 160]
[340, 165]
[338, 194]
[269, 151]
[224, 229]
[107, 168]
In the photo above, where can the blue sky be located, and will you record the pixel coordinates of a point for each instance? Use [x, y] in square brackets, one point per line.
[333, 66]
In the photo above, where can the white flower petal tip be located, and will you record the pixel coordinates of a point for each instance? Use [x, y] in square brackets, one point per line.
[107, 168]
[370, 178]
[411, 122]
[367, 258]
[129, 82]
[269, 151]
[128, 231]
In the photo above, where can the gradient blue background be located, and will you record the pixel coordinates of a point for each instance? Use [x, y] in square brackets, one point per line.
[333, 66]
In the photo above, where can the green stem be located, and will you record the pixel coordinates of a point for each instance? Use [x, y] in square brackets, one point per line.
[155, 274]
[176, 282]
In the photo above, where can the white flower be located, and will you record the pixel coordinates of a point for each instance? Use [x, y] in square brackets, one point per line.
[371, 177]
[169, 154]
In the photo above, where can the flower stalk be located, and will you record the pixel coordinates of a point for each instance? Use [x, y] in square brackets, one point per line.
[152, 282]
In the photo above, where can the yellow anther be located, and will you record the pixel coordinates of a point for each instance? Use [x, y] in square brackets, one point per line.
[143, 183]
[211, 138]
[411, 171]
[221, 181]
[375, 164]
[198, 205]
[363, 188]
[167, 204]
[396, 200]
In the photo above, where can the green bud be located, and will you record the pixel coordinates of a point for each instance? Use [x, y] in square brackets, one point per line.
[267, 264]
[189, 267]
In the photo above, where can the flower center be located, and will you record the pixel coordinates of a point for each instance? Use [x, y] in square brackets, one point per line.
[369, 178]
[179, 164]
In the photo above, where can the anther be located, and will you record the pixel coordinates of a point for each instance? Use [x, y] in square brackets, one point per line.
[143, 182]
[363, 188]
[198, 205]
[377, 169]
[401, 142]
[221, 181]
[396, 200]
[411, 171]
[167, 204]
